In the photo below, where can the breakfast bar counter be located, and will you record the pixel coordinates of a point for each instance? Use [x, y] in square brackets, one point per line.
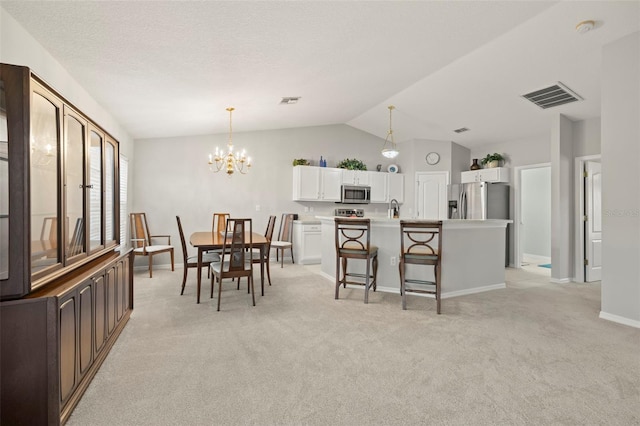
[473, 254]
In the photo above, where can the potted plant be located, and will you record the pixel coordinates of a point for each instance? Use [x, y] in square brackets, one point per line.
[300, 162]
[492, 160]
[352, 164]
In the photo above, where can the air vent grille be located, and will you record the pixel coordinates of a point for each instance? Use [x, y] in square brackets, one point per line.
[289, 100]
[461, 130]
[552, 96]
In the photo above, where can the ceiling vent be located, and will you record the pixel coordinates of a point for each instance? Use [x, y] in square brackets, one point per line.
[552, 96]
[461, 130]
[289, 100]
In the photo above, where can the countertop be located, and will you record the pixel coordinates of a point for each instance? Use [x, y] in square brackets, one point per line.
[446, 223]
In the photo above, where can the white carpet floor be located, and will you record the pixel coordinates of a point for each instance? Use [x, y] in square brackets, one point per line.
[534, 353]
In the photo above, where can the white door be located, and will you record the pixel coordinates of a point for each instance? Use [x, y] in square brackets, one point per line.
[593, 222]
[431, 195]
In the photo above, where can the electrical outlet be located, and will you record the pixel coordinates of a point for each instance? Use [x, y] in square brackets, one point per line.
[257, 207]
[393, 261]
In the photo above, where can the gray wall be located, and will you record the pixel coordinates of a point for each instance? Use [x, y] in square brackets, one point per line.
[536, 211]
[621, 180]
[173, 178]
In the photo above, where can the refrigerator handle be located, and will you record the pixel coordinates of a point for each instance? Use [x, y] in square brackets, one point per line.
[462, 205]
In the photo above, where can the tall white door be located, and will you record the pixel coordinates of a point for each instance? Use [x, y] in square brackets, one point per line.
[431, 195]
[593, 222]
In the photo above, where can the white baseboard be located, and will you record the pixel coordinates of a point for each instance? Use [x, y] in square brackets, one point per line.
[620, 320]
[534, 258]
[560, 280]
[473, 290]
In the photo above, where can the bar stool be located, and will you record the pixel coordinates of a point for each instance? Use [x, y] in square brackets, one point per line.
[352, 239]
[420, 244]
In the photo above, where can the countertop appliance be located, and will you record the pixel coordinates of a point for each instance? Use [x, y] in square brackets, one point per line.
[349, 212]
[480, 200]
[355, 194]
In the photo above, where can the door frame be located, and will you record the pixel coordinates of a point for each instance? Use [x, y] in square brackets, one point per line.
[578, 251]
[517, 178]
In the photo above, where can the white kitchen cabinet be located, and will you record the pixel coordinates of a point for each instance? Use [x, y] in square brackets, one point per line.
[395, 187]
[316, 183]
[307, 238]
[495, 174]
[386, 187]
[379, 187]
[355, 177]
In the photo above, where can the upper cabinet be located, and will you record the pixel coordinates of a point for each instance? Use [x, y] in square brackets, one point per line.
[62, 169]
[323, 184]
[494, 175]
[396, 187]
[355, 177]
[379, 187]
[316, 183]
[386, 187]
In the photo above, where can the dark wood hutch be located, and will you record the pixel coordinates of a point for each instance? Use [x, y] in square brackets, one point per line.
[66, 286]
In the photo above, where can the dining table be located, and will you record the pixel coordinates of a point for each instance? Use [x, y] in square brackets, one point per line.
[207, 240]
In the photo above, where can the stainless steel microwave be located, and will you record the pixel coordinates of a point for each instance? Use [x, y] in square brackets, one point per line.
[355, 194]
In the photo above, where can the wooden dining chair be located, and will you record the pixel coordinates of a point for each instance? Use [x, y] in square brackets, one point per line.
[143, 240]
[262, 256]
[420, 244]
[219, 223]
[192, 261]
[285, 238]
[235, 259]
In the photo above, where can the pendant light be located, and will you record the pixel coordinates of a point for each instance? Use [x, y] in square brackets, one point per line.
[390, 151]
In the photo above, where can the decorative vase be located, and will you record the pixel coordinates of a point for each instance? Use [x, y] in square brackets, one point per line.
[474, 165]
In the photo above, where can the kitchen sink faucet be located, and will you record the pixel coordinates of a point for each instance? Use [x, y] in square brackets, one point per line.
[394, 212]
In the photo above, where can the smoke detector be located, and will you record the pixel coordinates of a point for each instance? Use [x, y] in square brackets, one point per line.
[585, 26]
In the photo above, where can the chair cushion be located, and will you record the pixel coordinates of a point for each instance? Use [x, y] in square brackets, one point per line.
[355, 248]
[219, 266]
[280, 244]
[206, 258]
[420, 256]
[422, 250]
[152, 249]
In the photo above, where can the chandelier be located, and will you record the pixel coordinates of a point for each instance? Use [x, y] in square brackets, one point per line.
[229, 161]
[391, 151]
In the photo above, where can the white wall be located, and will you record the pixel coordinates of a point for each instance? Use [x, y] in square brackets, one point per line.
[536, 211]
[621, 181]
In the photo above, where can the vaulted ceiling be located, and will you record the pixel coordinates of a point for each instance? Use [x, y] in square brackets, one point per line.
[170, 68]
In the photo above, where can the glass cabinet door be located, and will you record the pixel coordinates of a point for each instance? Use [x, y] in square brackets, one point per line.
[96, 140]
[45, 142]
[111, 218]
[75, 189]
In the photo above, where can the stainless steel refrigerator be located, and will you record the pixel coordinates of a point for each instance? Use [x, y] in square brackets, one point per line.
[480, 200]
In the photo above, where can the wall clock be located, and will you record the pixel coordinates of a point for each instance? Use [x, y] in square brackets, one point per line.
[432, 158]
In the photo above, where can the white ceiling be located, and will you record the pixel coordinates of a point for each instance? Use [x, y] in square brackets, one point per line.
[170, 68]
